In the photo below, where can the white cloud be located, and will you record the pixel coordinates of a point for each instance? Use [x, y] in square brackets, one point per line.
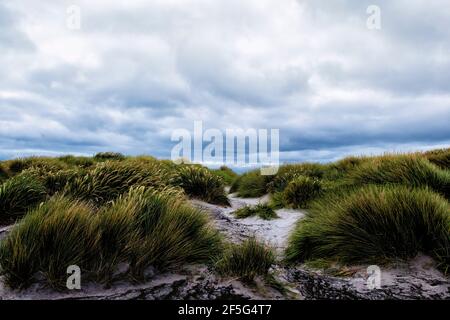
[135, 72]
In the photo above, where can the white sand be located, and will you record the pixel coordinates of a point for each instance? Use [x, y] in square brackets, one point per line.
[275, 231]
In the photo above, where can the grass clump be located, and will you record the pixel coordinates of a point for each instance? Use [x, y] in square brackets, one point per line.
[250, 185]
[52, 237]
[409, 170]
[375, 224]
[104, 156]
[289, 172]
[55, 181]
[149, 228]
[199, 182]
[440, 157]
[81, 162]
[301, 191]
[227, 175]
[263, 211]
[110, 179]
[143, 228]
[16, 166]
[246, 260]
[17, 195]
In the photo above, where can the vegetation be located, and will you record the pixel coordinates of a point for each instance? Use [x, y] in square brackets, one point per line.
[440, 157]
[103, 156]
[108, 180]
[403, 169]
[16, 166]
[263, 211]
[143, 228]
[246, 260]
[250, 185]
[289, 172]
[300, 191]
[199, 182]
[17, 195]
[228, 176]
[98, 212]
[372, 225]
[81, 162]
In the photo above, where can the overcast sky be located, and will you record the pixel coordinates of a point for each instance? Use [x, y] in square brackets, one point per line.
[137, 70]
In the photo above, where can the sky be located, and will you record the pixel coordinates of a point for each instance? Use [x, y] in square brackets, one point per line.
[135, 71]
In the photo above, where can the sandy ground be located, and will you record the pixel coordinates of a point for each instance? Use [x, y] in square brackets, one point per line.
[275, 232]
[193, 282]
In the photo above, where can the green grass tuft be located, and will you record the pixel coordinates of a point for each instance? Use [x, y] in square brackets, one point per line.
[246, 260]
[263, 211]
[375, 224]
[201, 183]
[300, 191]
[52, 237]
[440, 157]
[409, 170]
[250, 185]
[228, 176]
[289, 172]
[104, 156]
[149, 228]
[17, 195]
[110, 179]
[55, 181]
[16, 166]
[81, 162]
[143, 228]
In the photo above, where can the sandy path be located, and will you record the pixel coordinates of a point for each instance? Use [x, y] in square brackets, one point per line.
[275, 232]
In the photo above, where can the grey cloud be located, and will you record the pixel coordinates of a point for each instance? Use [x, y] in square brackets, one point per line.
[133, 74]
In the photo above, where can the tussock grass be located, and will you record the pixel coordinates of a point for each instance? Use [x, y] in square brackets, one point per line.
[17, 195]
[348, 163]
[16, 166]
[263, 211]
[300, 191]
[199, 182]
[440, 157]
[340, 169]
[246, 260]
[172, 233]
[250, 185]
[81, 162]
[108, 180]
[143, 228]
[289, 172]
[409, 170]
[52, 237]
[375, 224]
[228, 176]
[55, 181]
[149, 228]
[104, 156]
[277, 201]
